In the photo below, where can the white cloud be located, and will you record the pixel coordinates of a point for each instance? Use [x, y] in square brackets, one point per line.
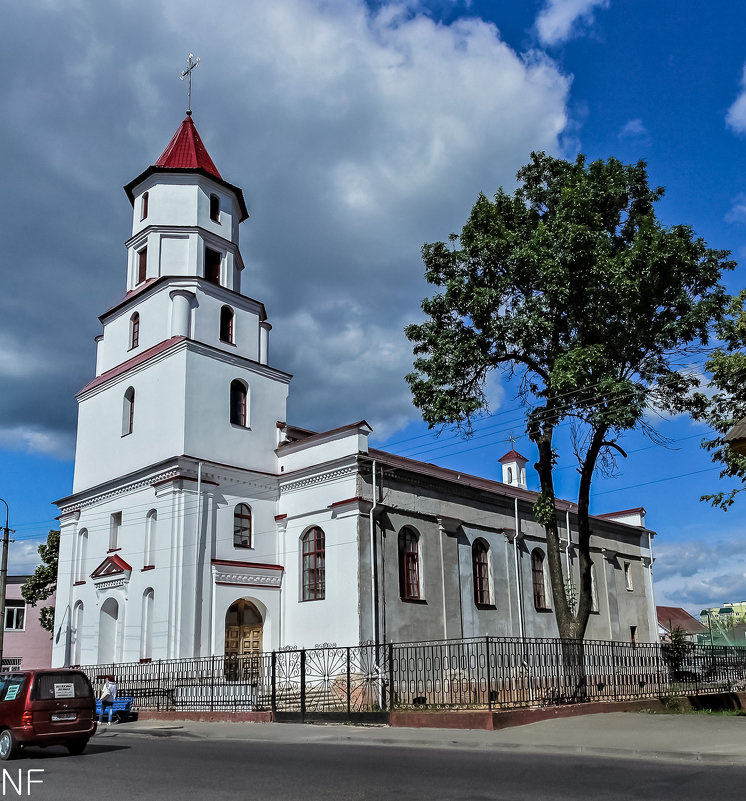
[695, 574]
[633, 129]
[737, 212]
[559, 20]
[736, 116]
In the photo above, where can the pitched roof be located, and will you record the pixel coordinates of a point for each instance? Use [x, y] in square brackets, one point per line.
[671, 617]
[186, 151]
[513, 456]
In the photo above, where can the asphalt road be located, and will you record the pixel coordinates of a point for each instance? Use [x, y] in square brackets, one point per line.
[173, 766]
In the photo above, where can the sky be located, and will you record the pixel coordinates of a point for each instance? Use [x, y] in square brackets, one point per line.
[358, 131]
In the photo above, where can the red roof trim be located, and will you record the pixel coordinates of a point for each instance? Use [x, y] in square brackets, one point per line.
[345, 503]
[252, 565]
[133, 362]
[279, 517]
[638, 510]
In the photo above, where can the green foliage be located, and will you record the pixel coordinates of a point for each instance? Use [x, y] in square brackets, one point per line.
[43, 582]
[544, 510]
[676, 649]
[571, 286]
[727, 403]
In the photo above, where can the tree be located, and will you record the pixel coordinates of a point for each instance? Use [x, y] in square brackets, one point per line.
[726, 406]
[42, 583]
[574, 288]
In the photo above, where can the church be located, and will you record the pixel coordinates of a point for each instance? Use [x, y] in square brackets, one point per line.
[201, 522]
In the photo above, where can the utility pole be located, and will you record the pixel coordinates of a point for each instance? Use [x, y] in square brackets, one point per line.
[3, 579]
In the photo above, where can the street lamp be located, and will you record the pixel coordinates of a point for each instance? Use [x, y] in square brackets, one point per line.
[3, 579]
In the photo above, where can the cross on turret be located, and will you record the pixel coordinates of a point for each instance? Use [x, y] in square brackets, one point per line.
[192, 63]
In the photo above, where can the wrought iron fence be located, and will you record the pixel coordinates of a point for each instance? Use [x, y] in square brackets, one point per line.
[488, 672]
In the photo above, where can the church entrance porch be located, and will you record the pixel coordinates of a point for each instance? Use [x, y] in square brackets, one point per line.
[244, 629]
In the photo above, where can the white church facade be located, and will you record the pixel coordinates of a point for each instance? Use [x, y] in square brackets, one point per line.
[201, 523]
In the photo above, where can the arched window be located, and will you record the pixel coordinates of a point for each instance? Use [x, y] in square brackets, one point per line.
[226, 324]
[144, 206]
[314, 572]
[108, 631]
[510, 475]
[77, 631]
[215, 208]
[242, 526]
[151, 523]
[128, 411]
[239, 415]
[146, 627]
[480, 565]
[539, 580]
[409, 565]
[134, 330]
[81, 553]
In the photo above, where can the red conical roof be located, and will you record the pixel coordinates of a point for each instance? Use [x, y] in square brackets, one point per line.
[186, 151]
[513, 456]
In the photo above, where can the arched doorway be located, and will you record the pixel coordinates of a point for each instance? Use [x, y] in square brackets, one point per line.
[107, 631]
[243, 640]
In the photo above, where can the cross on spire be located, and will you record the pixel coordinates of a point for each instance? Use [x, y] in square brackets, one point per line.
[512, 439]
[192, 62]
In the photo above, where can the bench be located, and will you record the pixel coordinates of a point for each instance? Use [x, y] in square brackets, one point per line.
[121, 710]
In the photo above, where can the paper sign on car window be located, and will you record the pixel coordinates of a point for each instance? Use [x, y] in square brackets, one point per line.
[64, 690]
[12, 692]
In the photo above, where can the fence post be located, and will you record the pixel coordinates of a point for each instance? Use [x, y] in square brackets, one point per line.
[348, 681]
[274, 684]
[212, 683]
[392, 697]
[303, 685]
[489, 674]
[613, 669]
[158, 690]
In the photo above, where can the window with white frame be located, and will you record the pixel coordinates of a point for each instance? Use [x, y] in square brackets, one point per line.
[539, 580]
[481, 571]
[151, 523]
[81, 554]
[409, 565]
[628, 576]
[15, 615]
[594, 589]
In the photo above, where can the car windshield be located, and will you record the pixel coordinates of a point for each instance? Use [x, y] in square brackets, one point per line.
[11, 686]
[49, 686]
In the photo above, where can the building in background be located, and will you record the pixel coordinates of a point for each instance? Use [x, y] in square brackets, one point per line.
[201, 523]
[26, 644]
[674, 617]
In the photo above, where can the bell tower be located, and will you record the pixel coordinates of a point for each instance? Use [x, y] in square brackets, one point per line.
[182, 363]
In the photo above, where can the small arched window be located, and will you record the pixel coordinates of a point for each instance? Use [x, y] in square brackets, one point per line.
[144, 206]
[594, 589]
[226, 324]
[480, 566]
[212, 265]
[239, 416]
[146, 627]
[215, 208]
[128, 411]
[510, 475]
[134, 330]
[409, 565]
[151, 524]
[242, 526]
[539, 580]
[314, 568]
[81, 554]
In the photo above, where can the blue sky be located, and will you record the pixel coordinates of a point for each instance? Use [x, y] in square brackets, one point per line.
[358, 132]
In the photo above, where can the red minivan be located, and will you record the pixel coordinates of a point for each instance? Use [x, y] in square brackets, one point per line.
[45, 707]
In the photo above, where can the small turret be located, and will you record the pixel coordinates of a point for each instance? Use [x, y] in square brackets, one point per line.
[514, 469]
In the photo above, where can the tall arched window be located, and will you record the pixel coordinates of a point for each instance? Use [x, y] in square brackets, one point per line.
[77, 631]
[128, 411]
[314, 569]
[409, 565]
[239, 416]
[594, 589]
[242, 526]
[81, 554]
[134, 330]
[226, 324]
[481, 569]
[146, 627]
[151, 523]
[142, 265]
[539, 580]
[144, 206]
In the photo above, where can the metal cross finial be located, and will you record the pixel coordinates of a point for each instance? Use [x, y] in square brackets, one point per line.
[192, 62]
[512, 439]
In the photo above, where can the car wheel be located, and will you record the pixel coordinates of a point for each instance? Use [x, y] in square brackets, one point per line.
[76, 747]
[8, 744]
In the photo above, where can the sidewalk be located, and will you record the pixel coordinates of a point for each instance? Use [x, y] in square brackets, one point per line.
[706, 738]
